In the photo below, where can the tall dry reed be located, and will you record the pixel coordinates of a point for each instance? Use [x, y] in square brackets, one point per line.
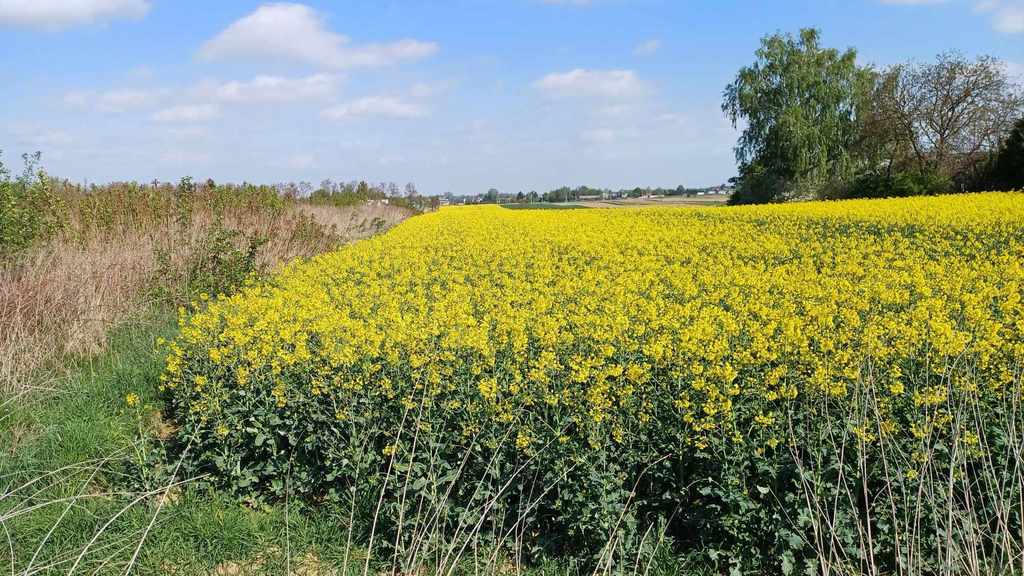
[60, 297]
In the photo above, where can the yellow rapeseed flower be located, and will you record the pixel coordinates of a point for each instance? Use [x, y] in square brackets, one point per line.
[707, 320]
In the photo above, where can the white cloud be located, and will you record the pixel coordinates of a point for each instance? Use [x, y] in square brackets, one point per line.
[301, 161]
[672, 119]
[603, 83]
[141, 73]
[428, 89]
[648, 47]
[614, 111]
[599, 136]
[187, 114]
[42, 137]
[116, 100]
[188, 132]
[184, 157]
[205, 97]
[110, 101]
[1007, 15]
[374, 106]
[298, 33]
[271, 89]
[77, 98]
[391, 159]
[56, 14]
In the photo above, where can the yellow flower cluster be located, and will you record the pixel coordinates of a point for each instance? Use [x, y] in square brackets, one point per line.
[606, 321]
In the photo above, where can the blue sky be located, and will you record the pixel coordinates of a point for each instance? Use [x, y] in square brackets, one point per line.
[455, 95]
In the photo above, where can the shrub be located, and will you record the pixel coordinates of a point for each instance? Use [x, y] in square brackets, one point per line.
[29, 211]
[1007, 168]
[757, 185]
[216, 261]
[792, 387]
[898, 185]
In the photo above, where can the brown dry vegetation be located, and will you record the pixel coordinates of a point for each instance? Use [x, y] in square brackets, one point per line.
[120, 247]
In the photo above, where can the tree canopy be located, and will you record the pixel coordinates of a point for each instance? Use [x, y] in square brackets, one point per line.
[944, 117]
[816, 124]
[1008, 169]
[799, 104]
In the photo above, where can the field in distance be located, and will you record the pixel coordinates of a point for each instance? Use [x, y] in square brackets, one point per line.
[703, 200]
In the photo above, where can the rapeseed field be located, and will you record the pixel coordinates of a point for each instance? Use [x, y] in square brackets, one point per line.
[779, 382]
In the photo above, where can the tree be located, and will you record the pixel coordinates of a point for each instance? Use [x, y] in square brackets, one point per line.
[492, 196]
[1008, 168]
[558, 195]
[800, 104]
[935, 127]
[945, 117]
[410, 190]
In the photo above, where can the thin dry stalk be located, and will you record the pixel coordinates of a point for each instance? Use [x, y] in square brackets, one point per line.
[59, 301]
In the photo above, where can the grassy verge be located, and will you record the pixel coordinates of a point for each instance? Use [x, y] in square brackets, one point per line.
[73, 498]
[68, 493]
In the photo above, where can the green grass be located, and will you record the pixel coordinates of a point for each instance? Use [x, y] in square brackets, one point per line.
[72, 470]
[89, 434]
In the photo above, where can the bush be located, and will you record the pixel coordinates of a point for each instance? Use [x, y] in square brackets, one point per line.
[898, 185]
[792, 387]
[29, 211]
[756, 185]
[217, 261]
[1007, 169]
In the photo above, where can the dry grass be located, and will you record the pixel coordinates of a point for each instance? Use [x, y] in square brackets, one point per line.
[58, 300]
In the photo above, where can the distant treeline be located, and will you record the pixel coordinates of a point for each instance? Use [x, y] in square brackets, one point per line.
[567, 194]
[358, 192]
